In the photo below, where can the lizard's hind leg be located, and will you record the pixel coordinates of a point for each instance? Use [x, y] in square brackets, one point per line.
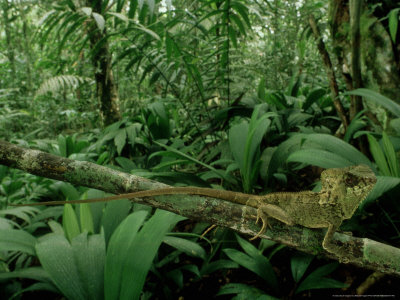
[269, 210]
[264, 219]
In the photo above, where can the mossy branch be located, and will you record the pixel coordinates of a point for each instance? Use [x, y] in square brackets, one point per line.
[360, 252]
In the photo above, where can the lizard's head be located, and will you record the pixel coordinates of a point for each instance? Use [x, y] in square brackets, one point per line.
[348, 187]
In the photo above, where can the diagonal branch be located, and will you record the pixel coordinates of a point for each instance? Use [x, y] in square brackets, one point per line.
[360, 252]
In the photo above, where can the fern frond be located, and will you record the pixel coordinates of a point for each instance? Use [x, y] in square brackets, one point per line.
[62, 82]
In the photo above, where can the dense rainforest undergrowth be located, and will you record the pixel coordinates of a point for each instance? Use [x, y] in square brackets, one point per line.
[253, 96]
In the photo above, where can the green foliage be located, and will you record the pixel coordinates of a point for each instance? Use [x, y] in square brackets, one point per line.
[317, 279]
[254, 261]
[243, 291]
[124, 253]
[226, 94]
[17, 240]
[76, 268]
[385, 156]
[158, 121]
[326, 151]
[378, 99]
[70, 222]
[245, 139]
[393, 23]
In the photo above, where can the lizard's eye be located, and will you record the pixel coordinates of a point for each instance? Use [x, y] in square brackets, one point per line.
[350, 181]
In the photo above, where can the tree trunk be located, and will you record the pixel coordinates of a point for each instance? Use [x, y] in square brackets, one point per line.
[330, 72]
[356, 104]
[106, 88]
[10, 48]
[27, 48]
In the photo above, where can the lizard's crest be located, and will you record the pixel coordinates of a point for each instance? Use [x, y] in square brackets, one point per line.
[348, 187]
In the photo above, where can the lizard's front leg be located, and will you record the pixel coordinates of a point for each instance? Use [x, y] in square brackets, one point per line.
[328, 237]
[328, 246]
[269, 210]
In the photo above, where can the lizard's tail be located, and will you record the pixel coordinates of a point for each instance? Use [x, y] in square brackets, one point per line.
[235, 197]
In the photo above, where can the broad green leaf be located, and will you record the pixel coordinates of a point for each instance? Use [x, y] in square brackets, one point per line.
[232, 36]
[320, 158]
[296, 118]
[68, 190]
[118, 253]
[87, 10]
[391, 157]
[335, 145]
[99, 20]
[244, 291]
[119, 16]
[377, 98]
[62, 146]
[244, 140]
[356, 124]
[114, 213]
[120, 140]
[257, 264]
[70, 222]
[320, 283]
[247, 247]
[130, 253]
[132, 132]
[316, 279]
[238, 23]
[281, 153]
[125, 163]
[89, 254]
[299, 264]
[378, 155]
[39, 286]
[218, 265]
[57, 258]
[147, 31]
[149, 239]
[34, 273]
[86, 218]
[237, 141]
[383, 185]
[17, 240]
[189, 247]
[393, 23]
[242, 10]
[261, 89]
[56, 227]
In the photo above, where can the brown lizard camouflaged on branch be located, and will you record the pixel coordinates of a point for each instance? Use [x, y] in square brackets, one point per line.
[343, 189]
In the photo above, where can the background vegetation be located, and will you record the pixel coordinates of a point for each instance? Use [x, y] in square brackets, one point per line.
[244, 95]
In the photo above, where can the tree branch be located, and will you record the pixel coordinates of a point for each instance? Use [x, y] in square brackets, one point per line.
[360, 252]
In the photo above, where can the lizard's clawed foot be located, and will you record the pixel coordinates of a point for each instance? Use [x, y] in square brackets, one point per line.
[264, 218]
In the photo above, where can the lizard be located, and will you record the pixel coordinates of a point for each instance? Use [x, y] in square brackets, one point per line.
[342, 190]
